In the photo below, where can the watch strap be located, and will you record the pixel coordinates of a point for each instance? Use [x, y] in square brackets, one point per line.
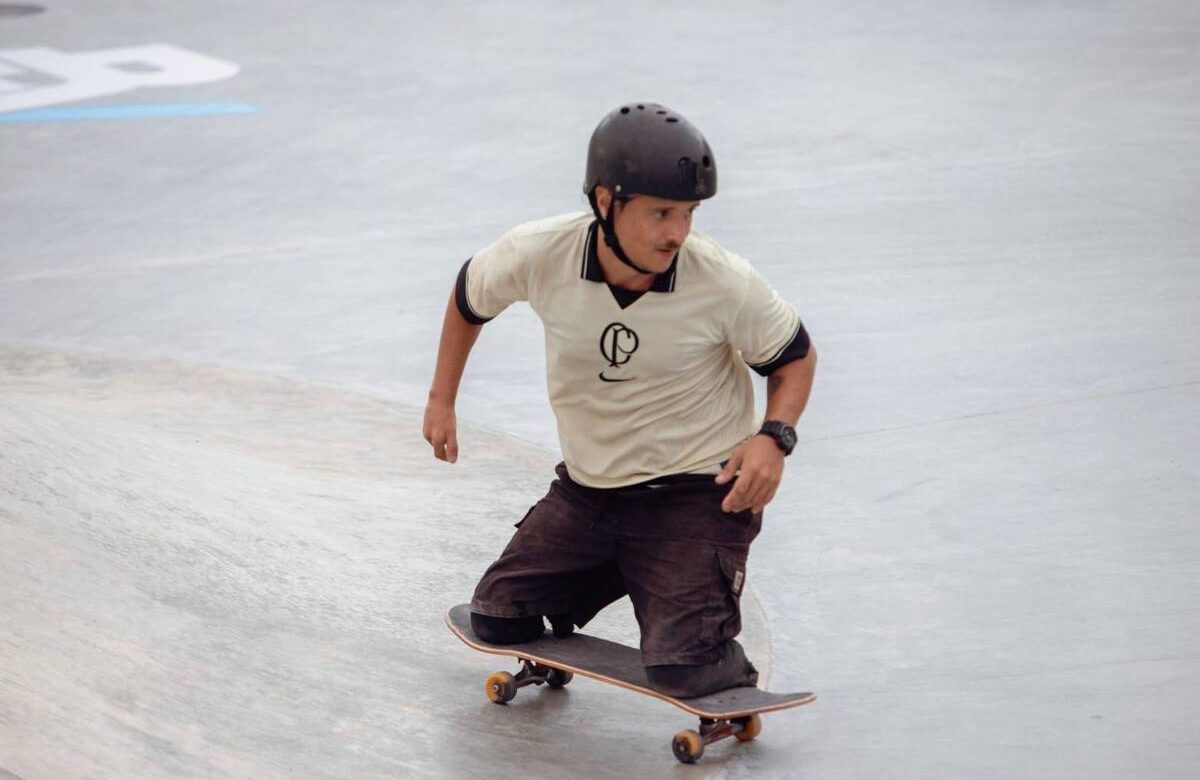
[783, 434]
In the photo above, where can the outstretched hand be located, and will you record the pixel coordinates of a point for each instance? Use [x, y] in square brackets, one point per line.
[441, 430]
[760, 463]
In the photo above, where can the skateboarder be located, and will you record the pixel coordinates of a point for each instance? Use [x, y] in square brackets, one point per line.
[649, 330]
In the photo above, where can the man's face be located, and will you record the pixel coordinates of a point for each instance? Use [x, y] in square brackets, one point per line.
[651, 230]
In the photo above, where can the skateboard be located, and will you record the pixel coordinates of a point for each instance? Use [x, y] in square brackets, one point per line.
[733, 712]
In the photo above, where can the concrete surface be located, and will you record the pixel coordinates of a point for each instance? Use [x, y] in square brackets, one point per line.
[219, 331]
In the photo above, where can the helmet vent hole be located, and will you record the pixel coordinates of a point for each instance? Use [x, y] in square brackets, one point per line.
[672, 119]
[660, 112]
[625, 110]
[707, 162]
[641, 108]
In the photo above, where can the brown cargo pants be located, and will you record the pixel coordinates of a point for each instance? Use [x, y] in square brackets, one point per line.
[667, 544]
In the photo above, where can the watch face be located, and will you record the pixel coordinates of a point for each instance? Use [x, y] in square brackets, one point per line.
[784, 435]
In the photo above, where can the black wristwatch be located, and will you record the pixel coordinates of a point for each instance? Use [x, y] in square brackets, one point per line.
[783, 434]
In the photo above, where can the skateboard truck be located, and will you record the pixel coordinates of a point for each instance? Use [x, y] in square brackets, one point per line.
[501, 687]
[688, 745]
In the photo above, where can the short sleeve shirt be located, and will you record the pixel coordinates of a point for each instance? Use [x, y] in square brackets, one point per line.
[641, 386]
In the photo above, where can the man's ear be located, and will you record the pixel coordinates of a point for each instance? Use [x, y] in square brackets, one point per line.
[603, 200]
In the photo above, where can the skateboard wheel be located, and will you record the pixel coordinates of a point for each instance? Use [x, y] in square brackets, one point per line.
[501, 687]
[751, 728]
[558, 678]
[688, 746]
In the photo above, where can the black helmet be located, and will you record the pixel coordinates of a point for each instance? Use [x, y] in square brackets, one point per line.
[648, 149]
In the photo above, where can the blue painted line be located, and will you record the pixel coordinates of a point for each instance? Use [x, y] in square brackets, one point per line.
[147, 111]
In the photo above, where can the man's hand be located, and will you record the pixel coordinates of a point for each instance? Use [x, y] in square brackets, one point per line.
[441, 430]
[761, 464]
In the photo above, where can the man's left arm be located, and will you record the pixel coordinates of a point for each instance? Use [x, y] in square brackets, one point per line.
[756, 466]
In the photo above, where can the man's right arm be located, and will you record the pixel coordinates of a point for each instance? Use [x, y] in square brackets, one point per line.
[440, 426]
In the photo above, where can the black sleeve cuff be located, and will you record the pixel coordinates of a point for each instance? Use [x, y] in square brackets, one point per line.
[460, 298]
[796, 350]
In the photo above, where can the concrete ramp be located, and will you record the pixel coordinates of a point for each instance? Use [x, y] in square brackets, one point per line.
[207, 573]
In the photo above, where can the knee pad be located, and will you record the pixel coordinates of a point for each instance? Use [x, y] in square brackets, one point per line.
[507, 631]
[677, 681]
[682, 681]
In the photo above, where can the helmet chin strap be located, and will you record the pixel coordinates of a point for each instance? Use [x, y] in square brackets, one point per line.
[610, 234]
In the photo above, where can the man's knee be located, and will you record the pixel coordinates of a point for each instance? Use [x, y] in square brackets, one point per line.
[685, 681]
[677, 681]
[507, 631]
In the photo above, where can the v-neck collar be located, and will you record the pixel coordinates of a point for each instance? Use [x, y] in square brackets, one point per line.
[591, 271]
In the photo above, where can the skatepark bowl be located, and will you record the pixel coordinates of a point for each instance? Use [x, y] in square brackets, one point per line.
[229, 232]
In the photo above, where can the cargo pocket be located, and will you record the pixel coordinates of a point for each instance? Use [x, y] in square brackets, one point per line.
[723, 618]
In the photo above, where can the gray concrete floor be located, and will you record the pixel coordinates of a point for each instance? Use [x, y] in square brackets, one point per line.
[224, 551]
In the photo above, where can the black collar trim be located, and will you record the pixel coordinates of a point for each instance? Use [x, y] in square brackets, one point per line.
[591, 270]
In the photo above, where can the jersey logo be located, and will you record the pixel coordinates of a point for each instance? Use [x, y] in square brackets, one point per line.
[617, 344]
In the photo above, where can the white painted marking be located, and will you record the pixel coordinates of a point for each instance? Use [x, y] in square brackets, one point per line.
[37, 77]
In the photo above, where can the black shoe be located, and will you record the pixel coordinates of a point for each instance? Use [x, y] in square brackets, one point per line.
[561, 625]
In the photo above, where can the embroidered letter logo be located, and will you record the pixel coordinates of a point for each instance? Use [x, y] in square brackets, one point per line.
[617, 344]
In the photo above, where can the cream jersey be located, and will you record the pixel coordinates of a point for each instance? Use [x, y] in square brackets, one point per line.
[642, 385]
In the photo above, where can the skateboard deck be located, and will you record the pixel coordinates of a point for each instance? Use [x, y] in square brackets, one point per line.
[731, 712]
